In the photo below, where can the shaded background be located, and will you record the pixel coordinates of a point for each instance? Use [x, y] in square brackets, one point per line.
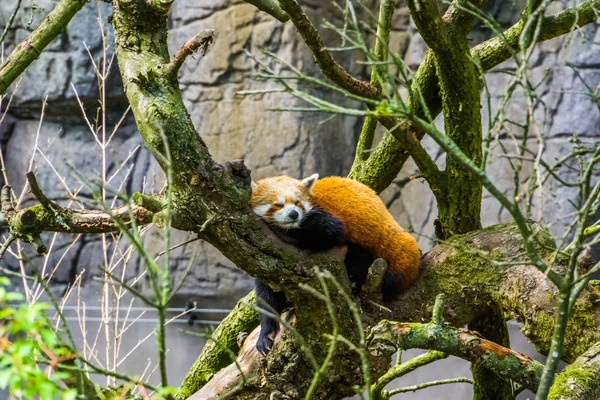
[271, 143]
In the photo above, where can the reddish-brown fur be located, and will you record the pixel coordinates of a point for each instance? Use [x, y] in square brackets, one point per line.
[369, 223]
[367, 220]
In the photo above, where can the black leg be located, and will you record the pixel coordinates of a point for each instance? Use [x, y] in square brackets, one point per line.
[357, 261]
[273, 302]
[389, 287]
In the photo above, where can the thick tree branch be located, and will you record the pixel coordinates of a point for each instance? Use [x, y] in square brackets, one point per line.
[30, 49]
[426, 15]
[387, 337]
[390, 155]
[469, 270]
[579, 380]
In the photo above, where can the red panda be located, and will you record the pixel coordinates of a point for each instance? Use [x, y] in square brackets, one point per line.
[322, 213]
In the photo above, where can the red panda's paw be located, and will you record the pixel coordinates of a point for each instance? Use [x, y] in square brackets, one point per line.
[264, 344]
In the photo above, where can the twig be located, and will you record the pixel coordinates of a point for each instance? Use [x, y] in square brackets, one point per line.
[201, 42]
[10, 21]
[427, 384]
[37, 192]
[11, 238]
[400, 370]
[327, 64]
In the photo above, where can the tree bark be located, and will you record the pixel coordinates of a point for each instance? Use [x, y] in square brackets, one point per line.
[471, 283]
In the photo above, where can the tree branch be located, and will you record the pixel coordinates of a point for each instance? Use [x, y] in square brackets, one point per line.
[270, 7]
[53, 218]
[325, 61]
[579, 380]
[30, 49]
[400, 370]
[216, 353]
[201, 41]
[499, 49]
[387, 337]
[426, 15]
[390, 155]
[380, 53]
[464, 269]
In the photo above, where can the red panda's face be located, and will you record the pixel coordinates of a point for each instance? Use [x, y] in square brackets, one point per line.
[281, 200]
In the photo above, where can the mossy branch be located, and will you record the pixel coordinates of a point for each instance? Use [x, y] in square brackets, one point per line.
[270, 7]
[400, 370]
[432, 28]
[30, 49]
[380, 54]
[387, 337]
[579, 380]
[390, 155]
[215, 354]
[27, 224]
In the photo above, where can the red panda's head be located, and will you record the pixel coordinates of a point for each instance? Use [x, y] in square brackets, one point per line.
[282, 200]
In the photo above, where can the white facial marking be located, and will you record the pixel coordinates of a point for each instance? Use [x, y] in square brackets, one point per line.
[307, 206]
[262, 209]
[282, 217]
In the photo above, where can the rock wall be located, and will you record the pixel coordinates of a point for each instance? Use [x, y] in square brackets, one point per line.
[233, 126]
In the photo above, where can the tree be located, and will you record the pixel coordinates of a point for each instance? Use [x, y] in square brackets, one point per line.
[494, 266]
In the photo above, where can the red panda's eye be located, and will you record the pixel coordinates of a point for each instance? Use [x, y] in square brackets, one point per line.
[278, 205]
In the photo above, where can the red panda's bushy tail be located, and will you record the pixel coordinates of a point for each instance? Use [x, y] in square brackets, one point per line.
[370, 225]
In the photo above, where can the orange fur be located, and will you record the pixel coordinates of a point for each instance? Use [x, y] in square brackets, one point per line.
[367, 220]
[369, 224]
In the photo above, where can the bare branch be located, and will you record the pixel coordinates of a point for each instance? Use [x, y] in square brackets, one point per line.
[201, 42]
[327, 64]
[37, 192]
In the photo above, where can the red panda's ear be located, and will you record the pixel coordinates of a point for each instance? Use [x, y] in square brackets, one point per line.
[254, 185]
[309, 182]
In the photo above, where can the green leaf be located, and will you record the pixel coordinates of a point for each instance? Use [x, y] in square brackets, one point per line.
[24, 349]
[14, 296]
[46, 390]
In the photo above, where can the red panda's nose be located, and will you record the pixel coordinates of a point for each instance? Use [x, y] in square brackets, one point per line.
[293, 215]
